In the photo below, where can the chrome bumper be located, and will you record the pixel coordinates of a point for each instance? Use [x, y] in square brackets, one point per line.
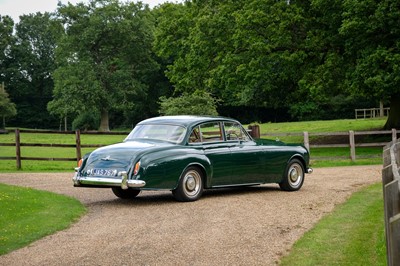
[310, 170]
[123, 182]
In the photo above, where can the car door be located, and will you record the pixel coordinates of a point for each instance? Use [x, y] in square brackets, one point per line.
[248, 164]
[209, 137]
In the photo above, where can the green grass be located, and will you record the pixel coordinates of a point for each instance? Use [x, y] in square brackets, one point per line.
[27, 215]
[312, 126]
[364, 155]
[353, 234]
[325, 126]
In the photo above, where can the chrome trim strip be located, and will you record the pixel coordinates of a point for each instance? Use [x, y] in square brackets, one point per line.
[237, 185]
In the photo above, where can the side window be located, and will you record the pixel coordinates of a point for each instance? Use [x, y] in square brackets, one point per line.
[233, 131]
[211, 132]
[195, 135]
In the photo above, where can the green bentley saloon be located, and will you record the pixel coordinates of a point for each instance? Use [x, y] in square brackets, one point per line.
[188, 154]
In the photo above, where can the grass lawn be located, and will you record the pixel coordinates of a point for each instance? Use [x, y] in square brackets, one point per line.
[317, 154]
[28, 214]
[353, 234]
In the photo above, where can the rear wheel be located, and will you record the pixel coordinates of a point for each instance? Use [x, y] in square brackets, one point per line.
[129, 193]
[190, 185]
[293, 177]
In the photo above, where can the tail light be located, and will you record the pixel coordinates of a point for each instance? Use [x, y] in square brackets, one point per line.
[137, 168]
[80, 162]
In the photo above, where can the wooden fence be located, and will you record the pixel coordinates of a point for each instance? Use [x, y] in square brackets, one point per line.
[371, 112]
[253, 129]
[78, 146]
[349, 135]
[391, 197]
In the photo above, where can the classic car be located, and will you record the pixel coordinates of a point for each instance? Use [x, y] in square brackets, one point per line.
[187, 154]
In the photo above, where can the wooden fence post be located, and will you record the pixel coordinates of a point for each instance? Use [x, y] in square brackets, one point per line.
[391, 200]
[391, 212]
[255, 131]
[18, 148]
[78, 144]
[352, 146]
[394, 134]
[387, 177]
[306, 141]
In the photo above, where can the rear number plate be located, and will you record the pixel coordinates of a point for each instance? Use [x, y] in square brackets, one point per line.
[102, 172]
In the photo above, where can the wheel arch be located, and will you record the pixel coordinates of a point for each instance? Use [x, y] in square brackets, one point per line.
[205, 171]
[300, 158]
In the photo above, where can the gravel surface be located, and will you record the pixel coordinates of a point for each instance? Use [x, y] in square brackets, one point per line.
[246, 226]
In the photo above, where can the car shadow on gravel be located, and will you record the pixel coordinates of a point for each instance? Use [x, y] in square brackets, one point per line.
[165, 197]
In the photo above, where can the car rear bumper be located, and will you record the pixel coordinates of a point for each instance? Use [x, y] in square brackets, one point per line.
[93, 181]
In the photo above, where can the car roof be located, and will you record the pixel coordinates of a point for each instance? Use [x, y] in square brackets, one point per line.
[184, 120]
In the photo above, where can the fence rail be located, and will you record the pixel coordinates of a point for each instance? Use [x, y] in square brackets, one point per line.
[351, 143]
[78, 146]
[391, 198]
[371, 112]
[253, 129]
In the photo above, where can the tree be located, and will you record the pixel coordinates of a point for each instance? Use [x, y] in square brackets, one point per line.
[30, 63]
[6, 41]
[243, 52]
[7, 108]
[105, 61]
[371, 30]
[197, 103]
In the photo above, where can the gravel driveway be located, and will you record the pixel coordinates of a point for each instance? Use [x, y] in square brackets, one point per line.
[247, 226]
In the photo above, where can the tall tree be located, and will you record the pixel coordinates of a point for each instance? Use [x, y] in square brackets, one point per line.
[243, 52]
[29, 71]
[104, 60]
[6, 42]
[371, 30]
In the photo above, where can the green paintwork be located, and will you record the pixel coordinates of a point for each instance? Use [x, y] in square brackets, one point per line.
[223, 162]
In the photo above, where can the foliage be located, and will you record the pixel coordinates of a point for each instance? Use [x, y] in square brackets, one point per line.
[197, 103]
[30, 63]
[353, 234]
[28, 215]
[86, 121]
[239, 51]
[293, 54]
[6, 41]
[315, 59]
[104, 59]
[373, 43]
[7, 108]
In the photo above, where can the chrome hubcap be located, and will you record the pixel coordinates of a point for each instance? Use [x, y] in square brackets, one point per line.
[190, 183]
[295, 175]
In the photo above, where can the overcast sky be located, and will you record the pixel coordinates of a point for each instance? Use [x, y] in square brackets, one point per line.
[15, 8]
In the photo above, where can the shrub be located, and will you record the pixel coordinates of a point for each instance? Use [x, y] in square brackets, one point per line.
[198, 103]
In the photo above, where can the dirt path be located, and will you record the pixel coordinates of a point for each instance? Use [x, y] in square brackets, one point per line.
[248, 226]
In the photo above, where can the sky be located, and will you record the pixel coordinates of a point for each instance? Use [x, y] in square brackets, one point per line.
[15, 8]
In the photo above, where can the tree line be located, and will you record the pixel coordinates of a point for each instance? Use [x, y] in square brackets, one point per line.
[108, 63]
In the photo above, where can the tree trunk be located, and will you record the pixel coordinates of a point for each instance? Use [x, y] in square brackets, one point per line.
[104, 126]
[393, 120]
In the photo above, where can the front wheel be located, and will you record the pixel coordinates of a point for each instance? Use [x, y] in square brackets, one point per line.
[293, 177]
[125, 193]
[190, 185]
